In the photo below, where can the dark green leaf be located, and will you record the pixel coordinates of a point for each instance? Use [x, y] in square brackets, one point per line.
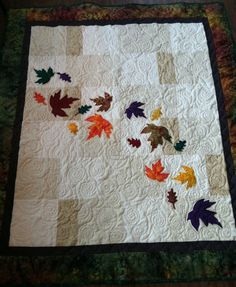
[44, 76]
[179, 146]
[84, 109]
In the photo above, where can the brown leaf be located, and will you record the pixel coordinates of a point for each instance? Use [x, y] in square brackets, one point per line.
[58, 104]
[157, 134]
[104, 103]
[172, 198]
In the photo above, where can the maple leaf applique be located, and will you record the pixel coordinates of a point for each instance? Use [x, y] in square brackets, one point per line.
[187, 177]
[134, 109]
[200, 212]
[180, 145]
[44, 76]
[134, 142]
[99, 125]
[84, 109]
[172, 198]
[73, 128]
[40, 98]
[156, 114]
[157, 134]
[58, 104]
[65, 77]
[155, 173]
[104, 103]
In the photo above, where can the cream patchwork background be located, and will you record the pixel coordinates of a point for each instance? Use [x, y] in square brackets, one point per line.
[70, 191]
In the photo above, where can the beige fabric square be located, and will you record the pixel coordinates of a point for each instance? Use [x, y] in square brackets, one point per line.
[34, 223]
[67, 224]
[217, 176]
[166, 68]
[74, 41]
[37, 179]
[48, 41]
[35, 111]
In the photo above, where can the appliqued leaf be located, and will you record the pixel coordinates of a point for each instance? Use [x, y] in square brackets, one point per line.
[104, 103]
[172, 198]
[44, 76]
[179, 146]
[40, 98]
[156, 114]
[134, 109]
[157, 134]
[65, 77]
[200, 212]
[134, 142]
[58, 104]
[99, 125]
[73, 128]
[187, 177]
[155, 173]
[84, 109]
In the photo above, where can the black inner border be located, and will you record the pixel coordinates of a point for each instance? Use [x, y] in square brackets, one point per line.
[121, 247]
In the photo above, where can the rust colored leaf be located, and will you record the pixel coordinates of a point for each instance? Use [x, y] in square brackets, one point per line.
[103, 102]
[99, 125]
[39, 98]
[155, 173]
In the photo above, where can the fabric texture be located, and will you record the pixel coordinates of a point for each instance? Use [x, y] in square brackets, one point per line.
[174, 266]
[72, 189]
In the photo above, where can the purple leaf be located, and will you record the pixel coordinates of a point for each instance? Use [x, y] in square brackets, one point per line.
[134, 109]
[64, 77]
[200, 212]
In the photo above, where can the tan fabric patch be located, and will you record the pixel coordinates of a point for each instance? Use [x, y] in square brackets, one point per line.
[166, 68]
[74, 41]
[217, 176]
[47, 41]
[35, 111]
[67, 224]
[172, 125]
[37, 179]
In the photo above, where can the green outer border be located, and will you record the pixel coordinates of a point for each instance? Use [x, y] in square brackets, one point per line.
[225, 19]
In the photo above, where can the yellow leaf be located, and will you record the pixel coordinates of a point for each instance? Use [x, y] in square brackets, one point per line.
[156, 114]
[187, 177]
[73, 128]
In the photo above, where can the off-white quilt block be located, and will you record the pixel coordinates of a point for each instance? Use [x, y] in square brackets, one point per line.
[72, 190]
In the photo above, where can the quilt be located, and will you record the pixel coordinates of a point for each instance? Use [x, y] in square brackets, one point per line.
[122, 138]
[155, 264]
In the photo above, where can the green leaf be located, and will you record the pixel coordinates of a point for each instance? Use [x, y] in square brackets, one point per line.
[84, 109]
[44, 76]
[179, 146]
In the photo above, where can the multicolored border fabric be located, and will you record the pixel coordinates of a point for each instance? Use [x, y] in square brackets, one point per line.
[224, 59]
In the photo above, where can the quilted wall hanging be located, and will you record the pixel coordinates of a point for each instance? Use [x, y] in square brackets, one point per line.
[121, 141]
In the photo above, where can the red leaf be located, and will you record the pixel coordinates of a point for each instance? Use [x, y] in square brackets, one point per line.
[40, 98]
[58, 104]
[134, 142]
[172, 198]
[156, 172]
[99, 125]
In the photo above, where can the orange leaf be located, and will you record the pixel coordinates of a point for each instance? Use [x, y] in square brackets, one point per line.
[73, 128]
[156, 172]
[99, 125]
[39, 98]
